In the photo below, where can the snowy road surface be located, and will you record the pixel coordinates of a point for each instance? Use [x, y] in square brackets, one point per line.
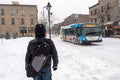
[100, 61]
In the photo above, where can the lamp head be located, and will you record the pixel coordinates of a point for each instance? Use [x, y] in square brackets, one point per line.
[49, 5]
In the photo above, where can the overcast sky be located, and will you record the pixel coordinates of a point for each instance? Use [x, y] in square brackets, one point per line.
[60, 8]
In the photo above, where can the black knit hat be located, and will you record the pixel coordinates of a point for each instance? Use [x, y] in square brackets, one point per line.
[40, 30]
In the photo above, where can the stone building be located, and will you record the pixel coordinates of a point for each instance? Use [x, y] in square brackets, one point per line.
[76, 18]
[18, 19]
[106, 13]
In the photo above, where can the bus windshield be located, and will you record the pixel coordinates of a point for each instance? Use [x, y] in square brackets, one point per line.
[91, 31]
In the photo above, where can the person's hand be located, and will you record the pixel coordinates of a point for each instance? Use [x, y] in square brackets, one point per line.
[54, 67]
[26, 66]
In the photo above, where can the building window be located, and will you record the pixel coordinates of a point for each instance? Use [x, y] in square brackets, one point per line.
[91, 20]
[32, 21]
[108, 17]
[115, 23]
[22, 12]
[31, 12]
[108, 6]
[12, 12]
[2, 21]
[31, 29]
[76, 16]
[102, 19]
[12, 21]
[119, 3]
[22, 21]
[95, 20]
[95, 11]
[102, 8]
[91, 13]
[1, 11]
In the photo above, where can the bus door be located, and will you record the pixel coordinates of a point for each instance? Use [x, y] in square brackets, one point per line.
[78, 34]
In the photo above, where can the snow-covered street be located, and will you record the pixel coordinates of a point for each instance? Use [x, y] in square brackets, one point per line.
[98, 61]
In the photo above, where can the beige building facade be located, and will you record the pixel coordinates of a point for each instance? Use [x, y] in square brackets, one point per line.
[18, 19]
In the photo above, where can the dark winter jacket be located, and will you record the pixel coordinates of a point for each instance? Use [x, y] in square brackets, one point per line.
[53, 53]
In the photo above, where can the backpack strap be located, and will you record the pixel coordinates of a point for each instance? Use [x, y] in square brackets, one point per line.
[37, 49]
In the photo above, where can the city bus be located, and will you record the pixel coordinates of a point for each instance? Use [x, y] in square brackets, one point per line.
[81, 33]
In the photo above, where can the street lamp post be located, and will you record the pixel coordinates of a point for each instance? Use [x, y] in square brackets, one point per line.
[48, 8]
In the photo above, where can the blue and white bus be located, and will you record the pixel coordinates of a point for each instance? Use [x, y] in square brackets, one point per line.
[81, 33]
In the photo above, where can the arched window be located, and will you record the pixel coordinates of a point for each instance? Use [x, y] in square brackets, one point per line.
[32, 21]
[22, 21]
[12, 21]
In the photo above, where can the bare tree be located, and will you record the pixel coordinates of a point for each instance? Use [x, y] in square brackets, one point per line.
[44, 19]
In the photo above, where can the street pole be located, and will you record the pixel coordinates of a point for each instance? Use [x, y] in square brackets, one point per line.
[49, 23]
[48, 8]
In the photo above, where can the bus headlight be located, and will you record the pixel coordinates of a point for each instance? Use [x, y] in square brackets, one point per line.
[83, 38]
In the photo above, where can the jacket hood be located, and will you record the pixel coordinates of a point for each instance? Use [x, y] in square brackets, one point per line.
[40, 31]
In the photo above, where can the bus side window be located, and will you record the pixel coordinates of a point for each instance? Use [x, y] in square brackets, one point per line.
[79, 31]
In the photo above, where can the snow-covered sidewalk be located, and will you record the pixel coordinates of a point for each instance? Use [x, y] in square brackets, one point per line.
[76, 62]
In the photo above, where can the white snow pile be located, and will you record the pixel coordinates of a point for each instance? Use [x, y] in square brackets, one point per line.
[99, 61]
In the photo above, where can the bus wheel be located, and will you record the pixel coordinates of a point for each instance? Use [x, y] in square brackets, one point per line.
[89, 43]
[74, 41]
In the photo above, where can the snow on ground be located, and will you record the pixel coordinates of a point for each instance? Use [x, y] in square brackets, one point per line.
[99, 61]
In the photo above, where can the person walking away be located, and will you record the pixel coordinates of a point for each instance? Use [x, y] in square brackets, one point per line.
[45, 72]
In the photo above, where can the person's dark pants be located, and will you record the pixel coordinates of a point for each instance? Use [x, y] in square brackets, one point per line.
[44, 74]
